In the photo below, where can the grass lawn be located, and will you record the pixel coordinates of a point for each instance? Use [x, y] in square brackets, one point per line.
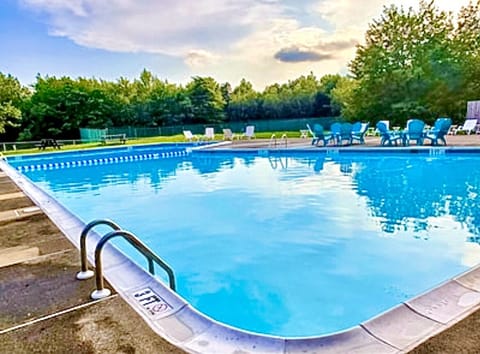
[151, 140]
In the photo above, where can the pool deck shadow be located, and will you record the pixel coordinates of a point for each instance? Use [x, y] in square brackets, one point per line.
[43, 308]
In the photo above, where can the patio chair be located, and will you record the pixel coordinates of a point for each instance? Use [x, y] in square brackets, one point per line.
[468, 127]
[388, 137]
[345, 134]
[304, 133]
[358, 132]
[319, 135]
[209, 133]
[387, 125]
[453, 129]
[414, 131]
[189, 136]
[335, 130]
[249, 132]
[310, 131]
[228, 135]
[439, 131]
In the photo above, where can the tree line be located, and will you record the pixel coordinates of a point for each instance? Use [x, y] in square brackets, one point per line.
[58, 107]
[421, 63]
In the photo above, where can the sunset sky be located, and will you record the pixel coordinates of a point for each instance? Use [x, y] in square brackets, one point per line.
[263, 41]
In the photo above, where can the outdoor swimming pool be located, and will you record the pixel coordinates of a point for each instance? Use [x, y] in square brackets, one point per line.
[296, 244]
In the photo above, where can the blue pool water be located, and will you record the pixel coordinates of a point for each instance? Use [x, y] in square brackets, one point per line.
[290, 245]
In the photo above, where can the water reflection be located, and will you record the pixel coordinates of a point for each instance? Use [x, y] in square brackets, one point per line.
[92, 178]
[401, 189]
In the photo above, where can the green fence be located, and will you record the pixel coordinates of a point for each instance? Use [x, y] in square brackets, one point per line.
[92, 135]
[260, 126]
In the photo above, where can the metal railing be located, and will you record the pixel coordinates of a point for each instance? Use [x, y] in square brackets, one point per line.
[273, 140]
[152, 258]
[142, 248]
[84, 272]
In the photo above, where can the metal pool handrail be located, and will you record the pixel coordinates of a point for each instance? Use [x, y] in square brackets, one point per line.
[101, 292]
[273, 140]
[84, 272]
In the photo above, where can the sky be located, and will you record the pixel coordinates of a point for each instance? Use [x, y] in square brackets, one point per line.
[263, 41]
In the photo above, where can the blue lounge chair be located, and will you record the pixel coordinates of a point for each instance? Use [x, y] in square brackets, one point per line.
[388, 137]
[319, 135]
[358, 132]
[439, 131]
[335, 129]
[414, 131]
[345, 134]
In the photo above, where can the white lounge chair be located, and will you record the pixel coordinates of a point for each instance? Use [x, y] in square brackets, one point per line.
[228, 135]
[249, 132]
[209, 134]
[468, 127]
[189, 136]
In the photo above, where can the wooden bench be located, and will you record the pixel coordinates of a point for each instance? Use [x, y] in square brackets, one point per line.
[114, 137]
[44, 143]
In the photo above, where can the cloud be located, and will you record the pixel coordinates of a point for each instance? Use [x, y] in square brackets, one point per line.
[73, 7]
[264, 41]
[200, 58]
[319, 52]
[296, 55]
[171, 27]
[338, 45]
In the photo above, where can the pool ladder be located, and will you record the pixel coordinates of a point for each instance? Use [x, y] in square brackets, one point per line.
[273, 140]
[100, 291]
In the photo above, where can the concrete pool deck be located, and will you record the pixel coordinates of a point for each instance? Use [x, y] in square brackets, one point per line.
[370, 141]
[43, 309]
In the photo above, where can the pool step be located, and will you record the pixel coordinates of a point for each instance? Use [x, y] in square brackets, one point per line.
[13, 195]
[12, 215]
[17, 254]
[12, 201]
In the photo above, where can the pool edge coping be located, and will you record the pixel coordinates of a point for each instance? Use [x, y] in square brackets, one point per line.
[431, 312]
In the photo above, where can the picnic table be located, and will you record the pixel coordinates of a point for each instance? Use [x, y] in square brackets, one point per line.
[44, 143]
[113, 137]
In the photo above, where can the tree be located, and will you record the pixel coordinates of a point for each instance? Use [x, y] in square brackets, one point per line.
[329, 82]
[169, 104]
[12, 96]
[412, 64]
[467, 43]
[243, 103]
[60, 106]
[207, 100]
[342, 96]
